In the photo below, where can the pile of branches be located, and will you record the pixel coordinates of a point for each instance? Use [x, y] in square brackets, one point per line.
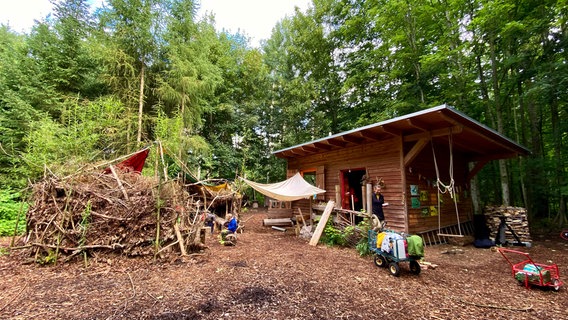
[123, 213]
[217, 194]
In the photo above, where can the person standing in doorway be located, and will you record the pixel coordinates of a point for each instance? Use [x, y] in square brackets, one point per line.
[378, 203]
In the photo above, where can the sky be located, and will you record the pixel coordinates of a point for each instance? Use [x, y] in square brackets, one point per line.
[254, 18]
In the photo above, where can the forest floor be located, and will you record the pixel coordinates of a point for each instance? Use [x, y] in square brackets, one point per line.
[275, 275]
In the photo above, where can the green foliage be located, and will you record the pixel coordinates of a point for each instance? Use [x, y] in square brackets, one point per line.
[191, 75]
[12, 211]
[362, 246]
[50, 258]
[4, 251]
[84, 130]
[333, 236]
[84, 225]
[222, 107]
[17, 93]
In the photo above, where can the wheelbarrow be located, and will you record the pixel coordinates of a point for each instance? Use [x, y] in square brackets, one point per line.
[392, 259]
[529, 273]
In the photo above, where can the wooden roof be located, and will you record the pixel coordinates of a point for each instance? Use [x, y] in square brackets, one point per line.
[470, 138]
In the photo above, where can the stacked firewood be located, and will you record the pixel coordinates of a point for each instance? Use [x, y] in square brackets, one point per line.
[515, 217]
[124, 213]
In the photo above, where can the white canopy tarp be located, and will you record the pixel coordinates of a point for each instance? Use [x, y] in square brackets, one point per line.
[294, 188]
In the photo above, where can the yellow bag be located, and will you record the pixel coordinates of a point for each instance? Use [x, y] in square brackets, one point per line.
[380, 237]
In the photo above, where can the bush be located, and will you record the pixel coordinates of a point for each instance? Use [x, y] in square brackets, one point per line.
[333, 236]
[10, 208]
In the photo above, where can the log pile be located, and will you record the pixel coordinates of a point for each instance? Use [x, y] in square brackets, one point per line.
[516, 218]
[122, 213]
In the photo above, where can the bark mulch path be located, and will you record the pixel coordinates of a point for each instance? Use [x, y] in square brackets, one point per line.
[275, 275]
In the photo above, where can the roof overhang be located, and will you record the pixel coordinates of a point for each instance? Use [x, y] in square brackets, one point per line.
[472, 139]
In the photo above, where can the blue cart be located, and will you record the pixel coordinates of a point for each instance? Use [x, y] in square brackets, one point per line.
[385, 259]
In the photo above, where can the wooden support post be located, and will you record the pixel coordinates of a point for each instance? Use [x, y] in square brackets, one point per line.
[369, 199]
[364, 196]
[338, 196]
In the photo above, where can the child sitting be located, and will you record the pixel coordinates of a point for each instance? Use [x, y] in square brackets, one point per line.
[228, 236]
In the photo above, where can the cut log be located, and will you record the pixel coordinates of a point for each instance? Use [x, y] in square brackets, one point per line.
[278, 229]
[277, 222]
[516, 219]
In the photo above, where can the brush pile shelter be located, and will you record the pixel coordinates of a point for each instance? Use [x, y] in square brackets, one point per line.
[119, 211]
[424, 162]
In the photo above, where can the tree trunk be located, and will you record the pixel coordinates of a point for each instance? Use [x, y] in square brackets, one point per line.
[473, 186]
[539, 205]
[141, 104]
[182, 114]
[557, 145]
[503, 172]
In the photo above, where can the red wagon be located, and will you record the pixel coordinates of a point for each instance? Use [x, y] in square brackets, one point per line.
[564, 234]
[528, 273]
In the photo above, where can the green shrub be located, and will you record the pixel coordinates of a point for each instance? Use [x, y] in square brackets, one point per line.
[333, 236]
[362, 246]
[10, 207]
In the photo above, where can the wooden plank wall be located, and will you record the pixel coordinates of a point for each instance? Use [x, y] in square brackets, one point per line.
[381, 159]
[422, 173]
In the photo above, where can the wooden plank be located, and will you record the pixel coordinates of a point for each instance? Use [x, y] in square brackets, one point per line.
[413, 153]
[301, 217]
[321, 224]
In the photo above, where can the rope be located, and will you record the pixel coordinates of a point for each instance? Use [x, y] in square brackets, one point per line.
[441, 187]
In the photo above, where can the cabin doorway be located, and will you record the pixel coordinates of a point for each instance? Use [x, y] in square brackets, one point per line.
[351, 190]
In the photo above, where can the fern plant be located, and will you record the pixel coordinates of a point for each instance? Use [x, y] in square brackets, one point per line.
[12, 213]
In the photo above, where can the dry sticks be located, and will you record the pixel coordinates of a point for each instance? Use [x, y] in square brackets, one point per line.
[108, 213]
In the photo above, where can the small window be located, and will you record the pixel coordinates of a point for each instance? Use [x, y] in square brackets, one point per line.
[309, 175]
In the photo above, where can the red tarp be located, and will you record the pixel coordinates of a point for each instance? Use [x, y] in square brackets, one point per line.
[133, 164]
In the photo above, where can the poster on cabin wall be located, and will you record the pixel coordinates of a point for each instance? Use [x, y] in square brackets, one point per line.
[413, 190]
[433, 211]
[415, 201]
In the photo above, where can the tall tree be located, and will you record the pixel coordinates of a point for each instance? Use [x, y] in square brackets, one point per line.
[18, 91]
[189, 75]
[59, 47]
[305, 94]
[133, 32]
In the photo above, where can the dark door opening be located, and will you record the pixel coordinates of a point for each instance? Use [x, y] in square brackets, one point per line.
[351, 190]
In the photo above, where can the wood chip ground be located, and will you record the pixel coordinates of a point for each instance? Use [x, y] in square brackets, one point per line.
[275, 275]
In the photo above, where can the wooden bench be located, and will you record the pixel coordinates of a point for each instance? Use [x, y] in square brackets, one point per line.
[279, 213]
[279, 222]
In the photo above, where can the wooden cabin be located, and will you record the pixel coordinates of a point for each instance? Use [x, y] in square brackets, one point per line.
[408, 155]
